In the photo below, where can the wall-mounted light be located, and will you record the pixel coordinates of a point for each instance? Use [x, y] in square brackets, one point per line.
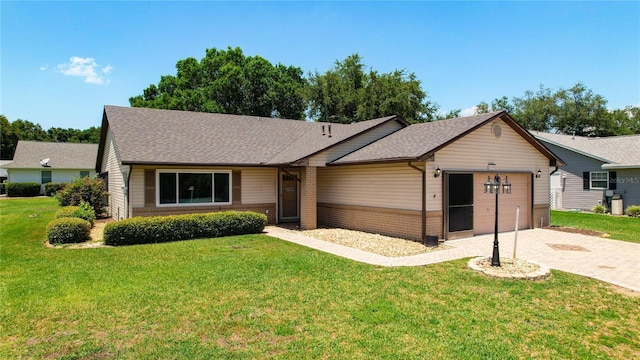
[538, 173]
[437, 173]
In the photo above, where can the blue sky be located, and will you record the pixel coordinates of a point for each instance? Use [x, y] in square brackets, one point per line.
[62, 61]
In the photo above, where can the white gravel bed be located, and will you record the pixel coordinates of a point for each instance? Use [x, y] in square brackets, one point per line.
[510, 268]
[373, 243]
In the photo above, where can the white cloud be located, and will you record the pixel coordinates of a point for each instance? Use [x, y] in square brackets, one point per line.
[86, 68]
[469, 111]
[45, 67]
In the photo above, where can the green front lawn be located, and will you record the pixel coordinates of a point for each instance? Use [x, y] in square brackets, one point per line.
[259, 297]
[617, 227]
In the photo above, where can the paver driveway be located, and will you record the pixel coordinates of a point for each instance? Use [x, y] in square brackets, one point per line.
[613, 261]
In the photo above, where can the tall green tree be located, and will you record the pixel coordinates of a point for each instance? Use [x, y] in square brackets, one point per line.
[8, 139]
[582, 112]
[227, 81]
[347, 93]
[26, 130]
[575, 110]
[536, 111]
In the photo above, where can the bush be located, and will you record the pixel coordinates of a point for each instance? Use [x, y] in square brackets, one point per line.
[51, 189]
[84, 212]
[68, 230]
[633, 211]
[183, 227]
[86, 190]
[27, 189]
[599, 209]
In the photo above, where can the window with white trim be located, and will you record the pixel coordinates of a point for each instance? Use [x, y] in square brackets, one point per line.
[599, 179]
[189, 187]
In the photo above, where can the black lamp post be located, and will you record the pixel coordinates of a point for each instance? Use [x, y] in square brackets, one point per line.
[494, 187]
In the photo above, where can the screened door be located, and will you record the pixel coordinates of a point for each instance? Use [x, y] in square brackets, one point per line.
[460, 202]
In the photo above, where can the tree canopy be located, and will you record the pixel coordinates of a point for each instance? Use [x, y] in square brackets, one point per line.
[575, 110]
[227, 81]
[11, 132]
[347, 93]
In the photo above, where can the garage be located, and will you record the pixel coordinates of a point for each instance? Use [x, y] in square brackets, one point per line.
[471, 211]
[485, 204]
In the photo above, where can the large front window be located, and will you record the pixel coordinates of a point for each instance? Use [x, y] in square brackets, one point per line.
[599, 180]
[184, 187]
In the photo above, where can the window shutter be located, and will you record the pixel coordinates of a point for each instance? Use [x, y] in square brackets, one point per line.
[236, 187]
[613, 180]
[585, 180]
[150, 188]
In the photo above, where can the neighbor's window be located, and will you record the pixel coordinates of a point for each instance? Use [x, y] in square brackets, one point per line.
[599, 180]
[45, 176]
[183, 187]
[84, 174]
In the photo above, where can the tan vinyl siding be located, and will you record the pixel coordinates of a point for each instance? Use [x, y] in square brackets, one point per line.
[136, 183]
[510, 152]
[111, 164]
[358, 142]
[395, 186]
[258, 185]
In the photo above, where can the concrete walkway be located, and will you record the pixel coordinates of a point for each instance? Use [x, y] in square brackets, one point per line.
[613, 261]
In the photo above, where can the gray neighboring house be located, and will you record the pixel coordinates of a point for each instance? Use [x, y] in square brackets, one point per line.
[44, 162]
[596, 167]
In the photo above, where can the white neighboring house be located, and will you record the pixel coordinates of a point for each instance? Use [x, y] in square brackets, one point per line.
[45, 162]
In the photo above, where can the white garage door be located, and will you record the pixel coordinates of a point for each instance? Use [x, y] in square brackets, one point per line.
[484, 204]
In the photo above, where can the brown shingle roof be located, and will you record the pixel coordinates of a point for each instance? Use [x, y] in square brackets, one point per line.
[153, 136]
[419, 141]
[61, 155]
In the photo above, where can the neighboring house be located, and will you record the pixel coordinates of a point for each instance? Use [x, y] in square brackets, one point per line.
[45, 162]
[594, 166]
[381, 175]
[3, 175]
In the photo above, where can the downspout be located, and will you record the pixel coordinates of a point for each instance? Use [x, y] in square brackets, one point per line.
[551, 173]
[424, 200]
[126, 195]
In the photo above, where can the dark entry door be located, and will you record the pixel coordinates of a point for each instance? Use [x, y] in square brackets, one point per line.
[460, 202]
[288, 197]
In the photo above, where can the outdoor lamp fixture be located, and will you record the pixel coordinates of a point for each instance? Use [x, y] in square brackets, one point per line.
[437, 173]
[538, 173]
[493, 187]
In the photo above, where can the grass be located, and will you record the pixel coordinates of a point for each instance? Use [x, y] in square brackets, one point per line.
[617, 227]
[254, 296]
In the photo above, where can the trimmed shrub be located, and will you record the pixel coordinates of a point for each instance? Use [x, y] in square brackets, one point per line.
[147, 230]
[51, 189]
[633, 211]
[599, 209]
[26, 189]
[68, 230]
[84, 212]
[86, 190]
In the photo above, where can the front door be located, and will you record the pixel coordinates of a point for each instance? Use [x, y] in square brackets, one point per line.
[288, 197]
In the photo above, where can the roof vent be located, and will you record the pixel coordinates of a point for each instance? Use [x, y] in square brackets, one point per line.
[45, 162]
[329, 126]
[323, 130]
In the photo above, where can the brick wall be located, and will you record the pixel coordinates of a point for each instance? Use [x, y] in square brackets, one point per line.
[308, 198]
[391, 222]
[267, 209]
